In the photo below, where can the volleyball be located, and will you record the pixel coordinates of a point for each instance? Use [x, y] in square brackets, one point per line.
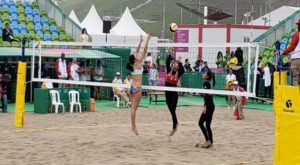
[173, 27]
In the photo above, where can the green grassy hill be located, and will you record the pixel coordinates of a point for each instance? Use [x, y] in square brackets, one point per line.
[154, 10]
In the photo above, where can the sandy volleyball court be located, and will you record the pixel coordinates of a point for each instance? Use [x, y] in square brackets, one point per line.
[104, 137]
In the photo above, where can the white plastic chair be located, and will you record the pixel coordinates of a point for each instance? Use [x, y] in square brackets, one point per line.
[74, 100]
[117, 98]
[55, 101]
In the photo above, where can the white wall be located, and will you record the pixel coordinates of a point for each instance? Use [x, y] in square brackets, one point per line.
[213, 36]
[237, 35]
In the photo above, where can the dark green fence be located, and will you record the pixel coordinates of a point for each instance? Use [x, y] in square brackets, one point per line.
[42, 100]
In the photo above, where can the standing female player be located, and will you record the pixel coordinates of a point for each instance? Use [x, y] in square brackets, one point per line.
[208, 112]
[174, 72]
[135, 66]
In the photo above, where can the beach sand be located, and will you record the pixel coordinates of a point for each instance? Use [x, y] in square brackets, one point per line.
[104, 137]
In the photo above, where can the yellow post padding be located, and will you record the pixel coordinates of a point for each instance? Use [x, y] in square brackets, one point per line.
[276, 108]
[287, 122]
[20, 95]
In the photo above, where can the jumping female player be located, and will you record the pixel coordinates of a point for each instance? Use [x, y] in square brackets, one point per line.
[208, 112]
[174, 72]
[135, 66]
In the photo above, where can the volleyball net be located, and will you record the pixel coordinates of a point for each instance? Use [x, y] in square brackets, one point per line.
[99, 63]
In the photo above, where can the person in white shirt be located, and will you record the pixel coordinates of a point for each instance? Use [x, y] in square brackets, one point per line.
[74, 70]
[61, 69]
[84, 37]
[119, 91]
[267, 78]
[153, 75]
[230, 78]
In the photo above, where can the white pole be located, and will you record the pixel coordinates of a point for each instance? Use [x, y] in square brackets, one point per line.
[249, 68]
[205, 15]
[260, 10]
[255, 68]
[40, 61]
[235, 11]
[199, 10]
[164, 16]
[180, 15]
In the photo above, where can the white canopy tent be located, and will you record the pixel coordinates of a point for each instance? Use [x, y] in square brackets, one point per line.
[74, 17]
[127, 26]
[125, 31]
[274, 17]
[92, 22]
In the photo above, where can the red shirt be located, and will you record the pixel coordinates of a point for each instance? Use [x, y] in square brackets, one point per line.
[293, 45]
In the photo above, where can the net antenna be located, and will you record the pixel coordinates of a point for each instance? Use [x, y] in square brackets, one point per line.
[191, 82]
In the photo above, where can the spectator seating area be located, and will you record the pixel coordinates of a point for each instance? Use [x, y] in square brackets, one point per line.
[268, 53]
[26, 20]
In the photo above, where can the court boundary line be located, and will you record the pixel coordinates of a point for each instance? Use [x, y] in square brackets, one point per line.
[17, 130]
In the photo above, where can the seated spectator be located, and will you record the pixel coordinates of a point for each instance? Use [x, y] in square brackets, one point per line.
[3, 92]
[119, 91]
[233, 61]
[201, 65]
[128, 82]
[187, 65]
[205, 68]
[7, 34]
[47, 84]
[197, 64]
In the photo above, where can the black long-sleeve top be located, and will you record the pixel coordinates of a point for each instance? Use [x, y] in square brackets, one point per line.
[208, 98]
[168, 65]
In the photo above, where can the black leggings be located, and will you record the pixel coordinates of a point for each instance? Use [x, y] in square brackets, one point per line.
[268, 92]
[207, 118]
[172, 99]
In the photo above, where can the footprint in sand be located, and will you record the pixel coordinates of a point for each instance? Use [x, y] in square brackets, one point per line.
[86, 143]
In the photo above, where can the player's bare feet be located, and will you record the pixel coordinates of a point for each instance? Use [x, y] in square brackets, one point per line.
[173, 132]
[134, 130]
[207, 144]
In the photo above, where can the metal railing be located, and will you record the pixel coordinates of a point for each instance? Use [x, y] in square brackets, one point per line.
[277, 31]
[61, 18]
